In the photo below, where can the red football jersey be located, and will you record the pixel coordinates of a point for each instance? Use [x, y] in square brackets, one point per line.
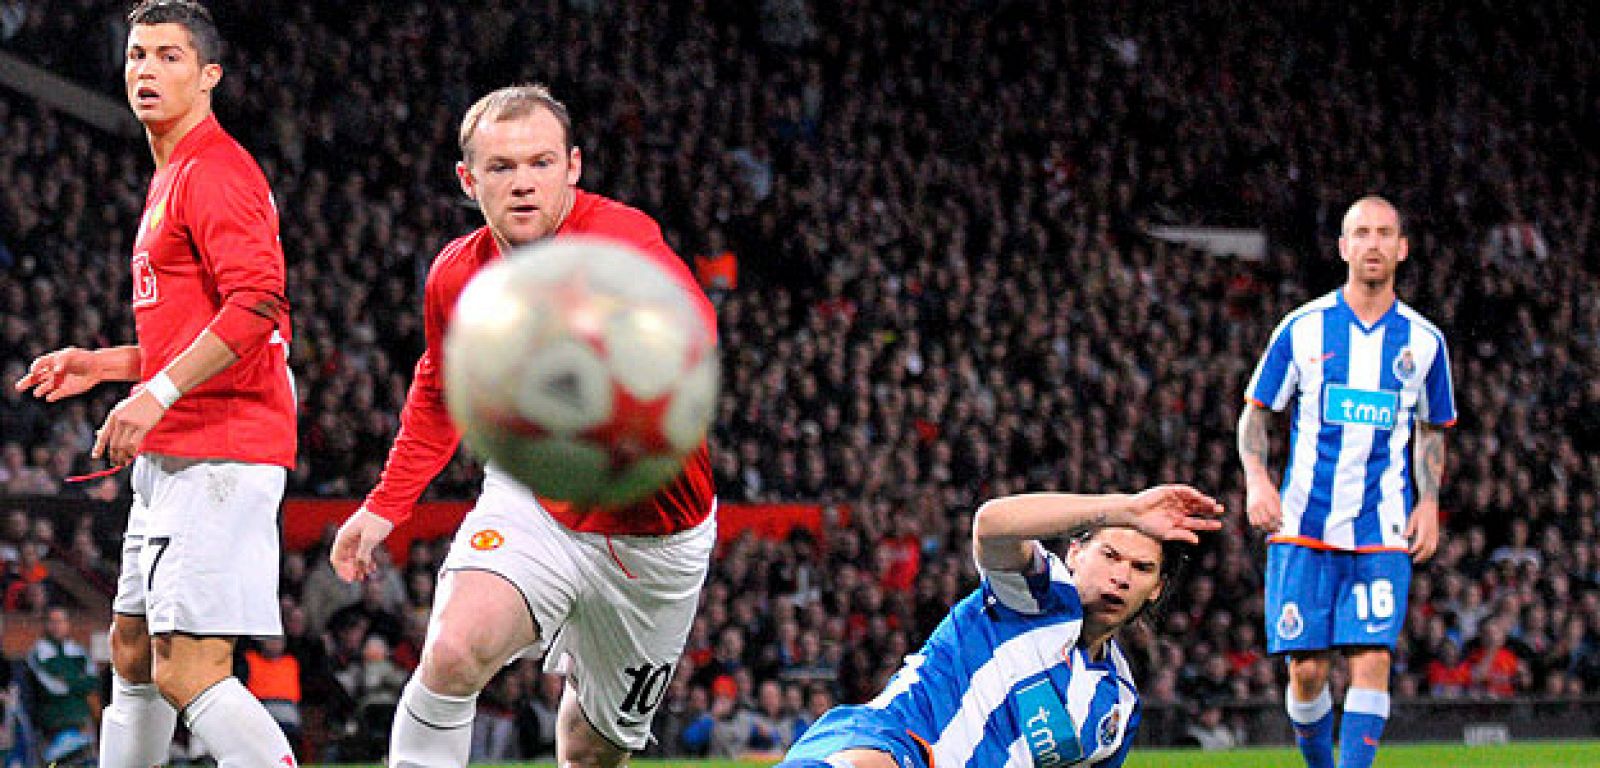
[207, 256]
[428, 437]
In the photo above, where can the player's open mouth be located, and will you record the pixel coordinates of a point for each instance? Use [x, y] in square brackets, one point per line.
[147, 95]
[1113, 600]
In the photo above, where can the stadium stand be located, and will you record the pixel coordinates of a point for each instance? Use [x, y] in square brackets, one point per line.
[945, 291]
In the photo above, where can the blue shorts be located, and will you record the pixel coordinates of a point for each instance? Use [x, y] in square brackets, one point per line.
[843, 728]
[1319, 599]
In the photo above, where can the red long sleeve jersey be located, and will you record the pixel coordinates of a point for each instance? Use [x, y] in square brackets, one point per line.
[428, 437]
[207, 257]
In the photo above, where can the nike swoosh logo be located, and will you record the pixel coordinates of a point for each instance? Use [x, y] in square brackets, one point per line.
[1375, 629]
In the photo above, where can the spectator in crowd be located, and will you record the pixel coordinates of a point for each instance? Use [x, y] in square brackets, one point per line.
[273, 676]
[62, 678]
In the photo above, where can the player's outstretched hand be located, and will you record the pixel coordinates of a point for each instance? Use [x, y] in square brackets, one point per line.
[352, 547]
[62, 373]
[1176, 513]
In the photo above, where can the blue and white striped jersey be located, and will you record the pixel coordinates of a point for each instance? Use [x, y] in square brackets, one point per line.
[1353, 392]
[1003, 682]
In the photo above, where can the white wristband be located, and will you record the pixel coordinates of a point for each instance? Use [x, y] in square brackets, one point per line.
[165, 392]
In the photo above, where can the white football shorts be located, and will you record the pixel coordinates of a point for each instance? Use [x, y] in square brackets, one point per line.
[612, 612]
[200, 555]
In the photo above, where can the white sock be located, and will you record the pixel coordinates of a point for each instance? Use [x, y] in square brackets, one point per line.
[236, 729]
[1308, 712]
[430, 730]
[136, 730]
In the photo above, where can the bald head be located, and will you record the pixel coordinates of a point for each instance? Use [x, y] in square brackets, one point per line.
[1372, 204]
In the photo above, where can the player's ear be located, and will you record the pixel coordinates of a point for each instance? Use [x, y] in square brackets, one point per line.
[1405, 248]
[574, 166]
[469, 185]
[210, 75]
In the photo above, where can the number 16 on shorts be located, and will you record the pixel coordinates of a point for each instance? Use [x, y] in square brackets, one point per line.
[1372, 606]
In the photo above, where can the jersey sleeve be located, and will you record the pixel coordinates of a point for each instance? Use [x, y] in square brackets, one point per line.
[1045, 586]
[1437, 406]
[234, 226]
[428, 437]
[1273, 383]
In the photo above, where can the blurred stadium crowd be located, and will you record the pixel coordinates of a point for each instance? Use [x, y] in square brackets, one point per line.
[945, 292]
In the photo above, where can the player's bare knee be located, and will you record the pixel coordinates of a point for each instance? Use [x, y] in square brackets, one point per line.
[1370, 669]
[591, 751]
[130, 651]
[1309, 673]
[454, 665]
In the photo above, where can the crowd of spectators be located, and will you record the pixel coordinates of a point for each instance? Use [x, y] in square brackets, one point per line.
[945, 293]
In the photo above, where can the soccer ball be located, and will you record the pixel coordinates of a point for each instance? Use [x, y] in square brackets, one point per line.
[583, 369]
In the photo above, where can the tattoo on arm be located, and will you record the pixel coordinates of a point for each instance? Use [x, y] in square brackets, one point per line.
[1430, 462]
[1253, 436]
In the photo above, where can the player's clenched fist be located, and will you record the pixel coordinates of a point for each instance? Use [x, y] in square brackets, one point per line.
[1263, 506]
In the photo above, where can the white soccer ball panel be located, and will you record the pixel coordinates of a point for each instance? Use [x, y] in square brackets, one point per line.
[565, 387]
[689, 414]
[648, 345]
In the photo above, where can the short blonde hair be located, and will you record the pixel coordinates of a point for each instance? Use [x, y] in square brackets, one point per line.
[510, 103]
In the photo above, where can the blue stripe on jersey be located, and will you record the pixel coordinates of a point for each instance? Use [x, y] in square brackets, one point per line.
[1335, 370]
[1441, 398]
[1294, 437]
[1274, 373]
[1368, 526]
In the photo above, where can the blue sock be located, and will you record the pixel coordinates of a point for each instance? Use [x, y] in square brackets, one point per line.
[804, 762]
[1313, 727]
[1365, 713]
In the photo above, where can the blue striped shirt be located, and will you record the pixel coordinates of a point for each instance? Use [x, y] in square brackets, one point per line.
[1354, 392]
[1003, 682]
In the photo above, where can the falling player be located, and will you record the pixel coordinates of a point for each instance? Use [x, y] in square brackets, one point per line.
[1026, 670]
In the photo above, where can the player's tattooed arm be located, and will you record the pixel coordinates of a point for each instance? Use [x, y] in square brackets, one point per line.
[1263, 507]
[1253, 443]
[1430, 462]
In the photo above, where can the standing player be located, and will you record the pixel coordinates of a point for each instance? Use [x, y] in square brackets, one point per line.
[607, 594]
[210, 431]
[1025, 671]
[1360, 370]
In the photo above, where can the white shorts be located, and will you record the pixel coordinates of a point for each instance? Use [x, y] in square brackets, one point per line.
[612, 612]
[200, 555]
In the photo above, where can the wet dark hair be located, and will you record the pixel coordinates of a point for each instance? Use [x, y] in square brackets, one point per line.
[188, 14]
[1175, 561]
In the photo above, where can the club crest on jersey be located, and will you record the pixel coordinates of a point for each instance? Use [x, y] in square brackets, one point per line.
[1290, 624]
[487, 539]
[145, 291]
[1405, 365]
[1110, 726]
[152, 218]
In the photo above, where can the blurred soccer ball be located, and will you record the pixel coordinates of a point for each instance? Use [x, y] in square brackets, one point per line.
[583, 369]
